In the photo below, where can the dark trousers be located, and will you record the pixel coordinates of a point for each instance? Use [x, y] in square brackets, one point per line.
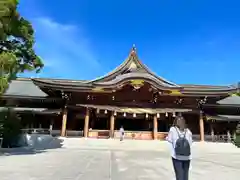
[121, 136]
[181, 169]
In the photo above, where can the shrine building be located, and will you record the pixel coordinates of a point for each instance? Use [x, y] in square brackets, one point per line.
[131, 96]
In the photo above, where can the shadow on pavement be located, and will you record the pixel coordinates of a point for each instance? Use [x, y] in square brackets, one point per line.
[37, 148]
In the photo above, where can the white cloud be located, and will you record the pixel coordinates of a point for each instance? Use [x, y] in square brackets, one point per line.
[65, 49]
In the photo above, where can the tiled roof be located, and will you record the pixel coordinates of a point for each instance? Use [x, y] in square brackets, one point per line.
[233, 100]
[195, 86]
[24, 87]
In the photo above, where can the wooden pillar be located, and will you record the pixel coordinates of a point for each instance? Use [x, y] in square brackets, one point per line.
[155, 127]
[112, 120]
[64, 122]
[201, 126]
[86, 123]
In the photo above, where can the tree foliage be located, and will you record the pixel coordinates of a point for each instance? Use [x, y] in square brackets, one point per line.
[11, 129]
[237, 139]
[16, 56]
[16, 44]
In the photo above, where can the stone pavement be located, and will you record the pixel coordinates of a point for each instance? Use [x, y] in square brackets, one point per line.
[115, 160]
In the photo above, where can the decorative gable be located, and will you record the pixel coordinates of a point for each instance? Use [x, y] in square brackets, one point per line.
[133, 66]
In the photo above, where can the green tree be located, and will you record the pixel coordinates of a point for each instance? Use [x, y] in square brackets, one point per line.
[16, 44]
[237, 140]
[11, 128]
[17, 54]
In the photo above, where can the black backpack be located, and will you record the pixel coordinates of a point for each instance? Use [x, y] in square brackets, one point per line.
[182, 146]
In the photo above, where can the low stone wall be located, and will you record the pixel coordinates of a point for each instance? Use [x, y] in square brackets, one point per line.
[36, 140]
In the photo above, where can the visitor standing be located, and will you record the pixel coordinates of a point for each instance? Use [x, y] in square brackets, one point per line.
[121, 133]
[180, 139]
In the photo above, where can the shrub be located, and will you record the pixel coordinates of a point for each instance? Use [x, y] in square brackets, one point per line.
[10, 128]
[237, 139]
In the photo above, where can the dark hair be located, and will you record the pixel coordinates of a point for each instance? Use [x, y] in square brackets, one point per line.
[180, 122]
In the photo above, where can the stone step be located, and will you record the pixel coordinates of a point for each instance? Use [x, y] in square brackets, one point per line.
[144, 145]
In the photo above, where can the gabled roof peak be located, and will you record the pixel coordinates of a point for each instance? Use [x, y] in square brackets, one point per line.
[131, 64]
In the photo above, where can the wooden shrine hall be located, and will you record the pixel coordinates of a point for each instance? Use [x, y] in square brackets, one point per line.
[131, 96]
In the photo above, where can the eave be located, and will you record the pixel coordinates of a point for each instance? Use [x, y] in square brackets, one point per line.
[232, 118]
[63, 85]
[110, 86]
[134, 110]
[191, 87]
[32, 110]
[209, 92]
[126, 78]
[222, 106]
[29, 97]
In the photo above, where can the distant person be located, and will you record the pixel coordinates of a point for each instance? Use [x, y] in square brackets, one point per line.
[180, 139]
[121, 133]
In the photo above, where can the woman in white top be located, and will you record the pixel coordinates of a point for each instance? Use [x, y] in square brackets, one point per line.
[180, 139]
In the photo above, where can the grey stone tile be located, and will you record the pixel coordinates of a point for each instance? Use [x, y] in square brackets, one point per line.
[103, 161]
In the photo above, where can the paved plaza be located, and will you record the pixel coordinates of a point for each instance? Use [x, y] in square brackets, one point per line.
[115, 160]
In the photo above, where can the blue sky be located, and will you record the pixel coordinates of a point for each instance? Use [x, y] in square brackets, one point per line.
[184, 41]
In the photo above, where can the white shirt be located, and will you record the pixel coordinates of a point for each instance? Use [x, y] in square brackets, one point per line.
[121, 130]
[172, 137]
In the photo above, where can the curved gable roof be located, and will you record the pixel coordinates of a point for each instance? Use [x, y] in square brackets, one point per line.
[132, 64]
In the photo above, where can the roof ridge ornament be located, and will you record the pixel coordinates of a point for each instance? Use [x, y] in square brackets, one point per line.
[133, 50]
[134, 46]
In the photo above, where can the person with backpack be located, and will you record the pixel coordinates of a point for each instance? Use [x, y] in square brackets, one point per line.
[180, 139]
